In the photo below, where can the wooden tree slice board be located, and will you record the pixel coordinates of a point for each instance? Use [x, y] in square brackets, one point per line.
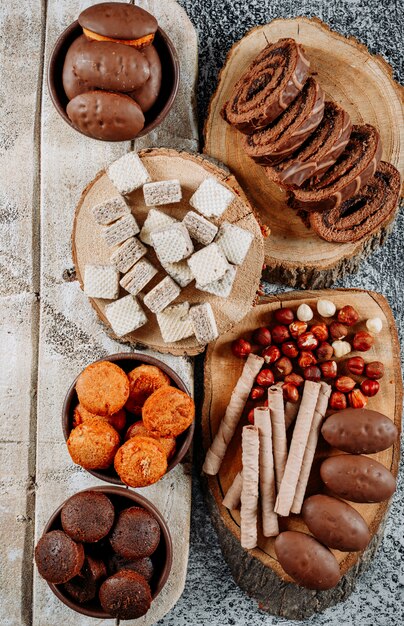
[358, 81]
[90, 248]
[258, 571]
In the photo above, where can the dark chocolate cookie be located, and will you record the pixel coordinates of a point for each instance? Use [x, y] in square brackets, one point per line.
[125, 595]
[136, 533]
[83, 587]
[58, 558]
[88, 516]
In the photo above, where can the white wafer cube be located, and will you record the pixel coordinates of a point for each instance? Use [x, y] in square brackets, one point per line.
[211, 198]
[128, 173]
[120, 231]
[155, 220]
[128, 254]
[110, 210]
[208, 264]
[138, 277]
[162, 192]
[101, 281]
[204, 323]
[180, 272]
[175, 323]
[221, 287]
[200, 228]
[162, 295]
[125, 315]
[172, 243]
[234, 242]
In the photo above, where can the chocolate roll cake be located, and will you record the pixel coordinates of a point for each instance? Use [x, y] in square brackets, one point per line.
[268, 87]
[364, 212]
[318, 152]
[352, 170]
[280, 138]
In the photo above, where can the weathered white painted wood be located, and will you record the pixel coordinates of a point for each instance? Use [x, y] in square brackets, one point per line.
[70, 335]
[18, 302]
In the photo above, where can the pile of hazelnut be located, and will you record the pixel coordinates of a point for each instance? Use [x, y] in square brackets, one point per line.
[296, 350]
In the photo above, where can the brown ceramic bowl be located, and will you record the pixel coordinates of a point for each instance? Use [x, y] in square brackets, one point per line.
[169, 85]
[128, 361]
[162, 558]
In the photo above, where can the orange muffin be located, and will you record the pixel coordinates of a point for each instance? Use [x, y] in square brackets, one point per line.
[138, 428]
[102, 388]
[117, 420]
[140, 462]
[168, 412]
[143, 381]
[93, 444]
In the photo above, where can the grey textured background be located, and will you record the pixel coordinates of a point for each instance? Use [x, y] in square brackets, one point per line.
[211, 596]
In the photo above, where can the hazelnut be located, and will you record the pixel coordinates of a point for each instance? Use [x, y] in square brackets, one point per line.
[297, 328]
[337, 401]
[306, 359]
[241, 348]
[289, 349]
[370, 388]
[283, 366]
[257, 393]
[280, 334]
[374, 325]
[271, 354]
[265, 378]
[320, 331]
[284, 316]
[355, 365]
[329, 369]
[348, 315]
[295, 379]
[326, 308]
[304, 313]
[338, 330]
[290, 392]
[362, 341]
[312, 373]
[262, 336]
[324, 351]
[341, 348]
[307, 341]
[356, 399]
[344, 384]
[250, 416]
[374, 370]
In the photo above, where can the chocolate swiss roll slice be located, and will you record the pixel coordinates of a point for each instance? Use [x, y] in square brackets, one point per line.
[267, 87]
[364, 212]
[351, 171]
[280, 138]
[318, 152]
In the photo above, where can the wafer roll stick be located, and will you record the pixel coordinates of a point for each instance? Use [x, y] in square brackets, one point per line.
[297, 449]
[233, 496]
[262, 420]
[291, 411]
[228, 425]
[277, 413]
[249, 493]
[321, 407]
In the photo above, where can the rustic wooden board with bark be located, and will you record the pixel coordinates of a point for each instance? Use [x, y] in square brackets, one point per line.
[356, 80]
[258, 571]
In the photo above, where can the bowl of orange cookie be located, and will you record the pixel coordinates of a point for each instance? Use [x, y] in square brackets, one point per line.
[128, 419]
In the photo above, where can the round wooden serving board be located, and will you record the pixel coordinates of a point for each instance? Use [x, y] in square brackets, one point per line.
[358, 81]
[258, 571]
[191, 169]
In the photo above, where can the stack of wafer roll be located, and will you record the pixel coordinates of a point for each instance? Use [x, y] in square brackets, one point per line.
[330, 168]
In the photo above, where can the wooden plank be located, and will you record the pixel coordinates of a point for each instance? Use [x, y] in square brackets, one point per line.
[21, 28]
[71, 335]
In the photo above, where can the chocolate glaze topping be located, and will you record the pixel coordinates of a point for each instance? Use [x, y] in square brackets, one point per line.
[118, 20]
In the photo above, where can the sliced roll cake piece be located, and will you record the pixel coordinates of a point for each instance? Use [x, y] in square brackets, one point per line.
[363, 213]
[351, 171]
[283, 136]
[318, 153]
[267, 87]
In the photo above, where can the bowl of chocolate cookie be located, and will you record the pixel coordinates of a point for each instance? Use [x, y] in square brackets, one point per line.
[106, 552]
[114, 73]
